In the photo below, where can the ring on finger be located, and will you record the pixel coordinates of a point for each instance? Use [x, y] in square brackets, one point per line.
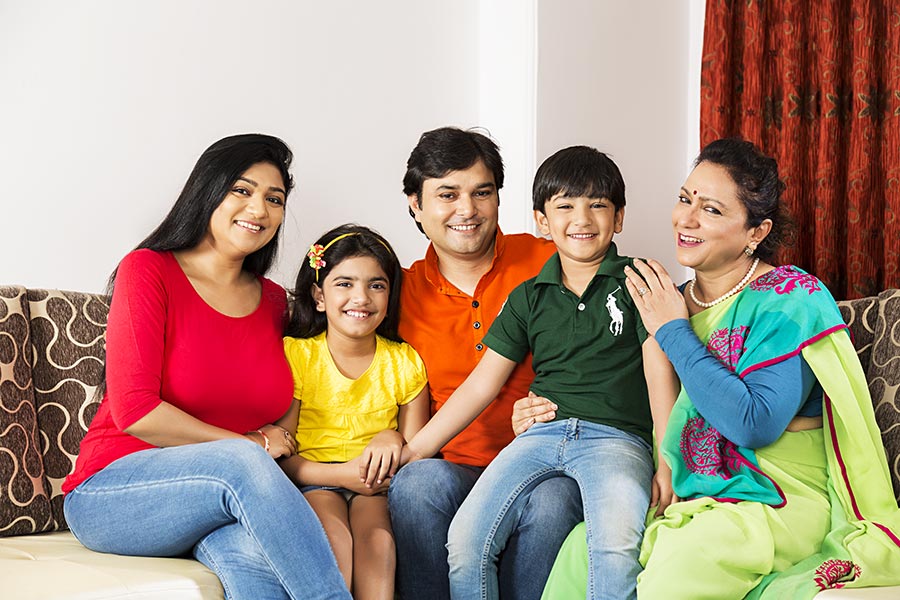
[642, 290]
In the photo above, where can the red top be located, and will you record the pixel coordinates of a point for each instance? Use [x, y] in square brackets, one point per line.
[164, 342]
[446, 326]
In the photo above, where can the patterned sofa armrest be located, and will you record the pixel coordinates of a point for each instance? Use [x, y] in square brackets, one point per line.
[883, 375]
[24, 501]
[68, 340]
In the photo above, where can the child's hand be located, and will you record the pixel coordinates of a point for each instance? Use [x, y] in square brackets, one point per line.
[381, 458]
[530, 410]
[350, 479]
[662, 494]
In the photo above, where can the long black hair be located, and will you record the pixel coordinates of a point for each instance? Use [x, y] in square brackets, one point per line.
[306, 321]
[212, 177]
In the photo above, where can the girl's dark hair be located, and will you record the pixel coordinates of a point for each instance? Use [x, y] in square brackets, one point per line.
[215, 172]
[306, 321]
[759, 188]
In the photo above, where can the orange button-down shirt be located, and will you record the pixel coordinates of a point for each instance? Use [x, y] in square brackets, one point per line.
[446, 327]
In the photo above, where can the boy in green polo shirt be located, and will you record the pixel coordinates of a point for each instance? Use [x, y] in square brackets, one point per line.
[593, 358]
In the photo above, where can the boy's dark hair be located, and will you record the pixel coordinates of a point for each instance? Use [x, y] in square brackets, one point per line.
[447, 149]
[578, 171]
[759, 188]
[305, 320]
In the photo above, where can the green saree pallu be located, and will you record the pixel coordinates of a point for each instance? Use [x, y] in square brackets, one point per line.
[812, 511]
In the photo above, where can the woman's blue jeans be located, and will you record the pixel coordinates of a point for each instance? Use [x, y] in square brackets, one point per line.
[227, 502]
[613, 469]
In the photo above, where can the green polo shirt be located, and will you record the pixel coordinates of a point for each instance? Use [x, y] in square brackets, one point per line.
[586, 351]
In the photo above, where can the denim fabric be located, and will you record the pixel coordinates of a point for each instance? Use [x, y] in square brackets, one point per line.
[424, 497]
[227, 502]
[613, 470]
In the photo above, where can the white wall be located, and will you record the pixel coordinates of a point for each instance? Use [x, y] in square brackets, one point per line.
[106, 104]
[615, 75]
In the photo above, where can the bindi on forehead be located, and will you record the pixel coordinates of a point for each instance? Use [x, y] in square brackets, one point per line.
[695, 192]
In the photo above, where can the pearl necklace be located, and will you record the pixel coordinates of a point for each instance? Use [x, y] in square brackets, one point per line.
[727, 294]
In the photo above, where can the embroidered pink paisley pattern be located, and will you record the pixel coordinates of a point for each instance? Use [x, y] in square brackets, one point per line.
[784, 280]
[708, 452]
[728, 345]
[834, 574]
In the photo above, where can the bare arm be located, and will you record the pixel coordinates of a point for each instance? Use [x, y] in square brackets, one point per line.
[307, 472]
[662, 387]
[381, 457]
[167, 425]
[464, 405]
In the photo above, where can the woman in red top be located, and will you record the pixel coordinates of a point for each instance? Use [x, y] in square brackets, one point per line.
[181, 454]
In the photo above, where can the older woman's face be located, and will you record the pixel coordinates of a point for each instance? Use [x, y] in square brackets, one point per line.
[710, 222]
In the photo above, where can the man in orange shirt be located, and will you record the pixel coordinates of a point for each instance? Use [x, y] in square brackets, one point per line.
[448, 301]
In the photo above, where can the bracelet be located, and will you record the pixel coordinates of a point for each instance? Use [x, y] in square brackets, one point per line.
[265, 438]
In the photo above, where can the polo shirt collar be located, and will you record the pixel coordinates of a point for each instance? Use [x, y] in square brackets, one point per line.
[612, 265]
[436, 278]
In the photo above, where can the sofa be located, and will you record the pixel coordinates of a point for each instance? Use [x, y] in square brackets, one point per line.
[51, 362]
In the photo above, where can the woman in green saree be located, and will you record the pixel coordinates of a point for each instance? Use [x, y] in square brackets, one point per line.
[775, 454]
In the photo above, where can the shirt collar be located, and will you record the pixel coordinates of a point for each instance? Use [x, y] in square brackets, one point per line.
[612, 265]
[436, 278]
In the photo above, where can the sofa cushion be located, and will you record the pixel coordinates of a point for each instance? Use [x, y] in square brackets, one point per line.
[67, 335]
[883, 374]
[56, 565]
[24, 502]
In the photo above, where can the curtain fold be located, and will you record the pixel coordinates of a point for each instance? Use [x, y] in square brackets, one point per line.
[816, 84]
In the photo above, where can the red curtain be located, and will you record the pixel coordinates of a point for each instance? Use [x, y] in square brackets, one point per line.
[816, 84]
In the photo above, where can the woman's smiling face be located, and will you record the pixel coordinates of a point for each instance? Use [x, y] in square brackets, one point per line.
[710, 221]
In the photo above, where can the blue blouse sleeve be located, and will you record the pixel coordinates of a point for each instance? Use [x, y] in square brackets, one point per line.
[752, 412]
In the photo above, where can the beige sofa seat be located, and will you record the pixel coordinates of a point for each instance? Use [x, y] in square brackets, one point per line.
[55, 565]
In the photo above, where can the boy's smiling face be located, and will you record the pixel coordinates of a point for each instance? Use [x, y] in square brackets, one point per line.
[581, 228]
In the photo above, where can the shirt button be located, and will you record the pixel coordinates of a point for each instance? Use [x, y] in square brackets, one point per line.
[474, 303]
[479, 347]
[476, 325]
[581, 306]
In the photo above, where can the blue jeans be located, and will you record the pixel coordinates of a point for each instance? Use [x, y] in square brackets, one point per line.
[227, 502]
[613, 470]
[424, 497]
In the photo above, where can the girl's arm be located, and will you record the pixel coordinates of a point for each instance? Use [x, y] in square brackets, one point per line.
[464, 405]
[381, 458]
[662, 387]
[346, 475]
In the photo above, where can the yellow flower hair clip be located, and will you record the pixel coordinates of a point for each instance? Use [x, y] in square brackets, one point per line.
[315, 254]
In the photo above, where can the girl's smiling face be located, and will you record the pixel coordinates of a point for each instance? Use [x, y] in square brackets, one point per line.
[354, 297]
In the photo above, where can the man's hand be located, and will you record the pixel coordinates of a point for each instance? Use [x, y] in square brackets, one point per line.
[530, 410]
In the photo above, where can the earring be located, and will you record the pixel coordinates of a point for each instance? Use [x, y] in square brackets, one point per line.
[749, 251]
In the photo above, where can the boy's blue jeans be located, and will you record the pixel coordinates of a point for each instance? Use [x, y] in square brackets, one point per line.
[425, 495]
[613, 469]
[227, 502]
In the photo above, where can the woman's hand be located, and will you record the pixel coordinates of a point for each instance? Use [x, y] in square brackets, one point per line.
[381, 458]
[662, 494]
[654, 294]
[530, 410]
[277, 441]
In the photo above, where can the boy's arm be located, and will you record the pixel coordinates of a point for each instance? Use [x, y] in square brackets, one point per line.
[464, 405]
[662, 387]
